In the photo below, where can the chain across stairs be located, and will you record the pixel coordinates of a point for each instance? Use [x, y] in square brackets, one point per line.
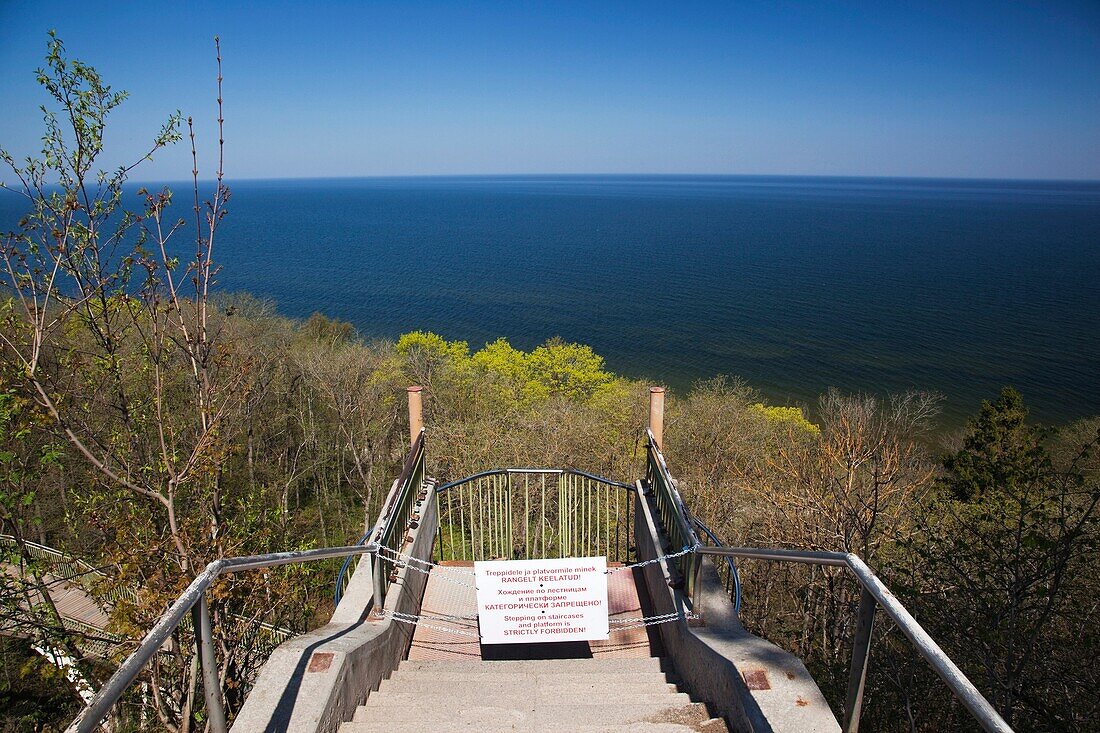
[448, 574]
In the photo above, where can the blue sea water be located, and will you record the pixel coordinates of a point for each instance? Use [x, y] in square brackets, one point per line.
[795, 284]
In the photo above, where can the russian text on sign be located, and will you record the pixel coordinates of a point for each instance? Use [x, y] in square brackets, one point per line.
[542, 600]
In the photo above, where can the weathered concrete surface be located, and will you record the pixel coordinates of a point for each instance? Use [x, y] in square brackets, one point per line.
[314, 682]
[532, 696]
[718, 661]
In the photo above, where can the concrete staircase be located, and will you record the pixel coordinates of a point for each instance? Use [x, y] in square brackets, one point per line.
[532, 696]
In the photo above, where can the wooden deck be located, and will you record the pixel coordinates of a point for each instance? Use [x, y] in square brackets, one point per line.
[71, 601]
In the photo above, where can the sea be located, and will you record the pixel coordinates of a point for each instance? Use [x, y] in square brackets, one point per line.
[795, 284]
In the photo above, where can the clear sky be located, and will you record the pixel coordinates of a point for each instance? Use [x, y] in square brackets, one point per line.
[997, 89]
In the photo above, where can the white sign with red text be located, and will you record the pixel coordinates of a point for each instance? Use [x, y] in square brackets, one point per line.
[523, 601]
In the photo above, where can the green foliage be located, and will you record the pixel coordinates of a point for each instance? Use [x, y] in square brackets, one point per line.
[556, 369]
[328, 330]
[505, 374]
[277, 435]
[572, 371]
[1014, 536]
[792, 417]
[24, 458]
[34, 695]
[1001, 452]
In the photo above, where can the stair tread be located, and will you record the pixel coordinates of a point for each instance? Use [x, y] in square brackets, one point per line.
[595, 666]
[713, 725]
[530, 700]
[532, 696]
[564, 713]
[566, 686]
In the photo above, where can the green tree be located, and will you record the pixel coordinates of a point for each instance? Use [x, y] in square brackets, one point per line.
[1004, 571]
[1001, 453]
[114, 340]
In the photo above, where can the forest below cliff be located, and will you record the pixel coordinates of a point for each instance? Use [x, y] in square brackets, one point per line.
[989, 537]
[150, 425]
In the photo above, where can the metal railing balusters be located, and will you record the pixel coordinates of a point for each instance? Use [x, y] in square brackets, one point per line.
[526, 512]
[501, 524]
[607, 516]
[481, 524]
[498, 499]
[542, 518]
[564, 513]
[586, 522]
[618, 525]
[491, 496]
[561, 515]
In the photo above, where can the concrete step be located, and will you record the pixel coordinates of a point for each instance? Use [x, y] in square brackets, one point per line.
[437, 679]
[474, 711]
[713, 725]
[581, 685]
[524, 699]
[528, 678]
[538, 666]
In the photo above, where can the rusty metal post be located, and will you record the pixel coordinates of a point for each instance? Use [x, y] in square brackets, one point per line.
[657, 414]
[378, 569]
[416, 413]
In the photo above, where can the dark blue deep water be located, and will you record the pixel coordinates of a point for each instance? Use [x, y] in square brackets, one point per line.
[795, 284]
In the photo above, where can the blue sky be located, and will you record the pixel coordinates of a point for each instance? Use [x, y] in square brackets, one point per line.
[1000, 90]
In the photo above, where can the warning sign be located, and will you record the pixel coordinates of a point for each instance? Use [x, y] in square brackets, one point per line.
[542, 600]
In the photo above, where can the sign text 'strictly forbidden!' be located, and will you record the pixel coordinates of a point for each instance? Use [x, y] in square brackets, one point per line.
[522, 601]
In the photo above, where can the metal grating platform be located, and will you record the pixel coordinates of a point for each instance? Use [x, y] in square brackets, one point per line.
[450, 604]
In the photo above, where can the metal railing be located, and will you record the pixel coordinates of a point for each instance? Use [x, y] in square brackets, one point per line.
[673, 515]
[347, 568]
[91, 639]
[65, 566]
[873, 594]
[727, 572]
[397, 513]
[193, 602]
[526, 513]
[397, 517]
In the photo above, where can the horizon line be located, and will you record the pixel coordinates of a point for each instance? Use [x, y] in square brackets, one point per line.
[410, 176]
[822, 176]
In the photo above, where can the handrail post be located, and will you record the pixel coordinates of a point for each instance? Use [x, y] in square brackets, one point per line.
[657, 415]
[379, 592]
[416, 412]
[861, 653]
[211, 682]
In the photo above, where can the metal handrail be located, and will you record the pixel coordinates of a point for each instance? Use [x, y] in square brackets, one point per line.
[734, 576]
[672, 512]
[503, 471]
[874, 591]
[397, 515]
[193, 599]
